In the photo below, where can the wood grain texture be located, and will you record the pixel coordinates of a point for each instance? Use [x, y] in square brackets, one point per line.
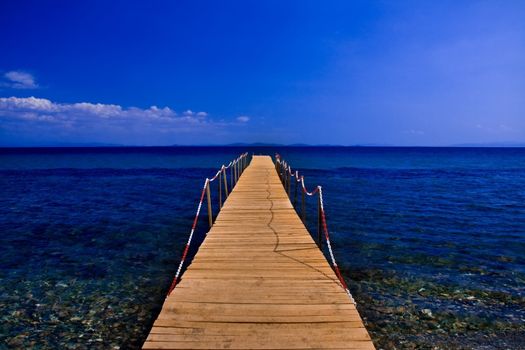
[258, 281]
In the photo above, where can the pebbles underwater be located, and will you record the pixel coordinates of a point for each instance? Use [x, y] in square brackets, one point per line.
[430, 242]
[433, 256]
[87, 256]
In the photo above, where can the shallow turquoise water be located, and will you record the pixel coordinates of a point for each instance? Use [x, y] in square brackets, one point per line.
[430, 240]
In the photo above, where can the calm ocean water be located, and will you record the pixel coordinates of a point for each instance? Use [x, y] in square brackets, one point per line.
[431, 240]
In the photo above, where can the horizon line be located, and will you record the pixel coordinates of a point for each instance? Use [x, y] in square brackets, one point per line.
[466, 145]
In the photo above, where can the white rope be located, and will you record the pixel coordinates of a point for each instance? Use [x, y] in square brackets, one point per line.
[193, 227]
[329, 245]
[188, 243]
[325, 228]
[224, 167]
[305, 190]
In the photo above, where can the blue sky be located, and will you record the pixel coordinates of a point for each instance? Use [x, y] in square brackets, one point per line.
[192, 72]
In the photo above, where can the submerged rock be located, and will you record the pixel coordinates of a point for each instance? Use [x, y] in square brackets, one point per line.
[427, 312]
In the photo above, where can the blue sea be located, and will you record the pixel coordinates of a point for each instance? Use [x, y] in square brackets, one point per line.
[431, 240]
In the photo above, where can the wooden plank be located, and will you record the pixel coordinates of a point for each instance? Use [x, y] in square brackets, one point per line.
[258, 281]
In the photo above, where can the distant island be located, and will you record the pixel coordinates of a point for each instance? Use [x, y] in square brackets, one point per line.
[264, 144]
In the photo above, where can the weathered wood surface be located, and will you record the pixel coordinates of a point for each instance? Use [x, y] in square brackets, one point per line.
[258, 281]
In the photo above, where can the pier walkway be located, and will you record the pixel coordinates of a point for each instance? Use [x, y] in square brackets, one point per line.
[258, 281]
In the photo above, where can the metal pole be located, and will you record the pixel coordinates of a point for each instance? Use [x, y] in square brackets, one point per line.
[231, 177]
[208, 195]
[296, 183]
[319, 223]
[289, 182]
[303, 205]
[283, 176]
[225, 183]
[220, 190]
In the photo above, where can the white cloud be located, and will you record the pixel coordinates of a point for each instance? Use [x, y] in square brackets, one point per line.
[497, 129]
[20, 80]
[243, 119]
[30, 103]
[39, 118]
[14, 108]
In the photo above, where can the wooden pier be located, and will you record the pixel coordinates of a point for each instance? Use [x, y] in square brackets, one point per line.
[258, 281]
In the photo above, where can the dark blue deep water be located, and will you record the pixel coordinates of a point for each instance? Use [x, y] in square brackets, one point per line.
[431, 240]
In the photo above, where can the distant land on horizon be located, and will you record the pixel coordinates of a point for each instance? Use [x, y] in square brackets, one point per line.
[264, 144]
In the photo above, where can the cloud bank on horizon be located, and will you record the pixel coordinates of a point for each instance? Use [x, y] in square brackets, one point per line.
[345, 72]
[101, 123]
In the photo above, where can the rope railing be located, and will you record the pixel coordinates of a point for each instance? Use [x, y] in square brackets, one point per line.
[286, 174]
[237, 167]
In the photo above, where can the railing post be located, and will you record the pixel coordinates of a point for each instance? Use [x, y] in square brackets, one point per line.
[220, 190]
[303, 204]
[319, 223]
[295, 195]
[231, 177]
[208, 195]
[284, 175]
[289, 181]
[225, 182]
